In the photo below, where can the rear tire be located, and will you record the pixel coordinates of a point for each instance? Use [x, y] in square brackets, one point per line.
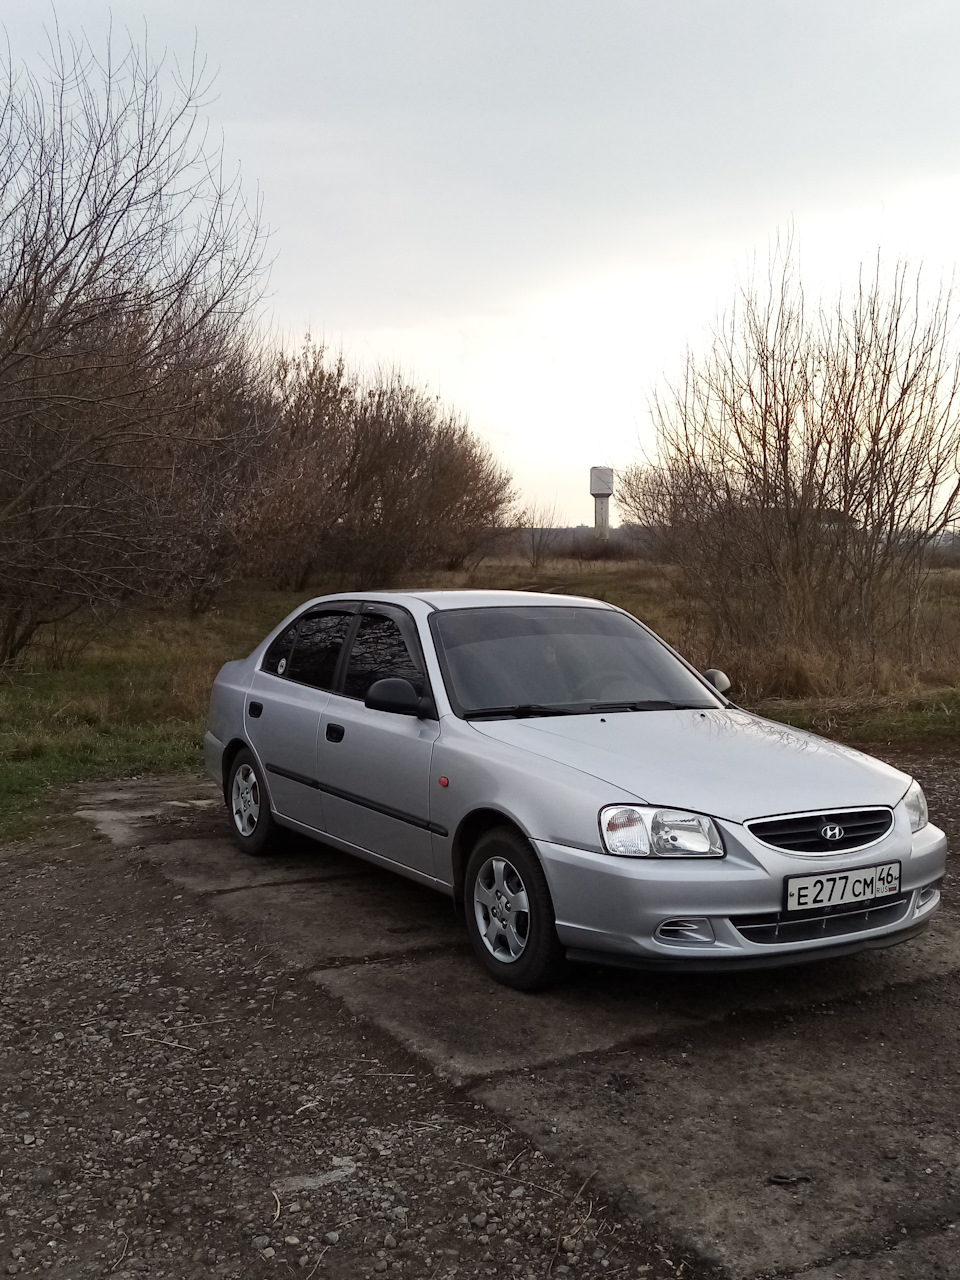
[251, 822]
[509, 912]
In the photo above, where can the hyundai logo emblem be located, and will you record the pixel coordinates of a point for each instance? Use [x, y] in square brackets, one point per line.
[831, 831]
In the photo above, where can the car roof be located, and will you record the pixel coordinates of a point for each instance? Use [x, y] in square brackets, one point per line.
[480, 598]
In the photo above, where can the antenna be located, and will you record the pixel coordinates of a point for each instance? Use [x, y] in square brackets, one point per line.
[601, 487]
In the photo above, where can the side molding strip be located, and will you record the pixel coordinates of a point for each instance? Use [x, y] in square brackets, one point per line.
[294, 777]
[433, 827]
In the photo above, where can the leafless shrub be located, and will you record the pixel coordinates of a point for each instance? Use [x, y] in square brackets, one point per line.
[298, 496]
[539, 532]
[365, 482]
[588, 548]
[805, 465]
[61, 643]
[944, 553]
[128, 262]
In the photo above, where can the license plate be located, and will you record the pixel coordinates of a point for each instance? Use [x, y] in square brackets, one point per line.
[839, 888]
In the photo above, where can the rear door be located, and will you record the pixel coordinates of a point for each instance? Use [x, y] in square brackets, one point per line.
[374, 766]
[286, 700]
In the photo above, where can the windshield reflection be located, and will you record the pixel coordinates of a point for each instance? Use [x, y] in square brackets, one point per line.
[536, 660]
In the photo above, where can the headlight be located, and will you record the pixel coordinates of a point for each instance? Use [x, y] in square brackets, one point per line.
[916, 804]
[630, 831]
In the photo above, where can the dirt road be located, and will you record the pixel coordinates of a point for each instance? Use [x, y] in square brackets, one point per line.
[213, 1066]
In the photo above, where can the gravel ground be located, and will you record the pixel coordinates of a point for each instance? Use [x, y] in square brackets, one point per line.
[176, 1104]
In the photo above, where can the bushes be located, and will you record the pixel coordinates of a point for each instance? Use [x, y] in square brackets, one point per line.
[805, 466]
[363, 482]
[127, 268]
[150, 446]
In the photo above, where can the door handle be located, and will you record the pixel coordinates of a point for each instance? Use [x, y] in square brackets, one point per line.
[335, 732]
[255, 709]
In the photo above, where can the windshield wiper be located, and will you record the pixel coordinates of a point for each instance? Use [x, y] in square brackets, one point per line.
[521, 711]
[651, 704]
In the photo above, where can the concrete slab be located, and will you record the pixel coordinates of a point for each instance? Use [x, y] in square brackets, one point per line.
[147, 814]
[119, 826]
[770, 1120]
[767, 1144]
[447, 1009]
[370, 917]
[217, 866]
[125, 812]
[934, 1257]
[934, 953]
[465, 1026]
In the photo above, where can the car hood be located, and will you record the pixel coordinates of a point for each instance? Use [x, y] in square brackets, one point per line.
[726, 762]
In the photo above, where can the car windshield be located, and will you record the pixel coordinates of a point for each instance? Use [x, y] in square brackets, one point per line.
[540, 660]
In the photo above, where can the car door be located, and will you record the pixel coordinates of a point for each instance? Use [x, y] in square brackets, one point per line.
[286, 700]
[374, 766]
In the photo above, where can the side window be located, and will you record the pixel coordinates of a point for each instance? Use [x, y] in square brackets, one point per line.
[277, 657]
[318, 646]
[379, 650]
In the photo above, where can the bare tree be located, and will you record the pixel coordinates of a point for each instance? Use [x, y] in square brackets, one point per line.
[804, 466]
[367, 481]
[299, 494]
[425, 490]
[539, 531]
[128, 264]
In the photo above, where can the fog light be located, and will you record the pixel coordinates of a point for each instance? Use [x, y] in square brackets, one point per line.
[686, 929]
[928, 893]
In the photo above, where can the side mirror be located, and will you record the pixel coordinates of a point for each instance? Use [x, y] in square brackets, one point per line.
[719, 681]
[394, 694]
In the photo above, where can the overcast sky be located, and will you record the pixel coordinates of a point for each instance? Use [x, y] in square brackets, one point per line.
[536, 205]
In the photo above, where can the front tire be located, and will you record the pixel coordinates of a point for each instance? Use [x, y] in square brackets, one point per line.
[251, 822]
[509, 913]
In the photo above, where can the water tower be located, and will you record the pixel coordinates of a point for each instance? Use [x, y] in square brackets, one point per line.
[601, 487]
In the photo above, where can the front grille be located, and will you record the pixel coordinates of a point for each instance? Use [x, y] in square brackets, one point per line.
[774, 927]
[803, 832]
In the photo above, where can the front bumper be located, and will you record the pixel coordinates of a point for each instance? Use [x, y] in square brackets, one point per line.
[620, 910]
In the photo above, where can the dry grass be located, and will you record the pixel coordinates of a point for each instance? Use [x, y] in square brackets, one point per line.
[787, 670]
[640, 587]
[135, 700]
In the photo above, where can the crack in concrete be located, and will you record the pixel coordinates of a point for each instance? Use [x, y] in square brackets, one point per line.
[274, 884]
[472, 1080]
[334, 964]
[884, 1245]
[667, 1038]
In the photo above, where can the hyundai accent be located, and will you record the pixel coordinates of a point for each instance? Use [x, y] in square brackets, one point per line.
[578, 789]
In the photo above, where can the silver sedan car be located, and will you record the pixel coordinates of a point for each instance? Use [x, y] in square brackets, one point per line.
[576, 787]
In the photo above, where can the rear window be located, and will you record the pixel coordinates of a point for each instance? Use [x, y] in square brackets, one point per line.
[318, 645]
[278, 655]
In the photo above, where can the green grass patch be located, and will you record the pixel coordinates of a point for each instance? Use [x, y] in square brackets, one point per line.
[134, 702]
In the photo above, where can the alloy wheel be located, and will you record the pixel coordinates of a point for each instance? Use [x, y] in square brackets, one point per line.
[502, 910]
[245, 800]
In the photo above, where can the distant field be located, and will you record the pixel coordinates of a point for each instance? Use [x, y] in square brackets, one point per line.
[135, 700]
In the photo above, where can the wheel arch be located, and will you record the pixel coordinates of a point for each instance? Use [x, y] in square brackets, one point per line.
[230, 752]
[471, 828]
